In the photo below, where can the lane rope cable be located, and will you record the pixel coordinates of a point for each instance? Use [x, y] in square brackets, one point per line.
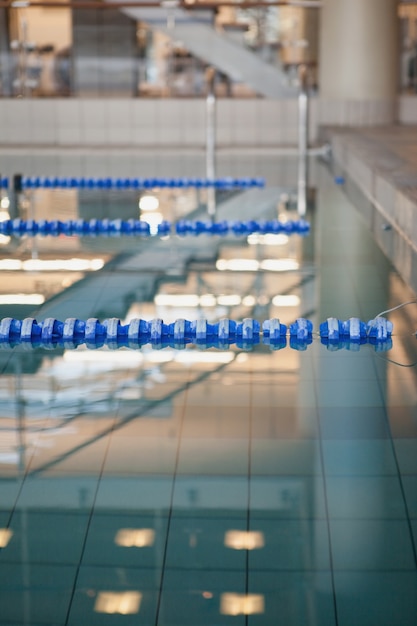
[111, 332]
[21, 183]
[139, 228]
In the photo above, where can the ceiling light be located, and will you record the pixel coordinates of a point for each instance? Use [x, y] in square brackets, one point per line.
[121, 602]
[64, 265]
[252, 265]
[124, 358]
[96, 264]
[241, 604]
[249, 301]
[135, 537]
[279, 265]
[268, 240]
[22, 298]
[148, 203]
[5, 536]
[287, 300]
[10, 264]
[177, 300]
[195, 356]
[244, 540]
[238, 265]
[193, 300]
[229, 300]
[208, 299]
[159, 356]
[52, 265]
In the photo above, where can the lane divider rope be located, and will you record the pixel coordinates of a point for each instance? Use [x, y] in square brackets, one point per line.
[56, 182]
[140, 228]
[111, 332]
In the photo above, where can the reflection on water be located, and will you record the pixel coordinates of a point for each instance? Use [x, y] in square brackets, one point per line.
[135, 537]
[5, 536]
[244, 540]
[208, 486]
[124, 602]
[239, 604]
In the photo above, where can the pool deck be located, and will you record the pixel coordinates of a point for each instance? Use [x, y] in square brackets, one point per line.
[382, 163]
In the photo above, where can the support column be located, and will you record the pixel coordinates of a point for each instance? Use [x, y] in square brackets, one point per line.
[359, 60]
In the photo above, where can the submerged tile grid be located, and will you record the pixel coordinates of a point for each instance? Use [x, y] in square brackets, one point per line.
[49, 523]
[308, 463]
[369, 496]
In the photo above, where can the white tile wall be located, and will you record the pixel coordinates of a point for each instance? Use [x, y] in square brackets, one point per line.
[68, 118]
[94, 122]
[43, 117]
[163, 122]
[169, 122]
[119, 116]
[270, 123]
[245, 122]
[144, 122]
[289, 122]
[19, 120]
[225, 112]
[192, 119]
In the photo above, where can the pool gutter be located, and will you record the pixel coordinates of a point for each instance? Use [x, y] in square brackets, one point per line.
[383, 187]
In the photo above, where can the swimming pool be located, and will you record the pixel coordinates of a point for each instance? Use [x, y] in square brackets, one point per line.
[175, 487]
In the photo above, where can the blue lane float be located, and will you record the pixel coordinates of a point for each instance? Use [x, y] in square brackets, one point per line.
[56, 182]
[353, 329]
[139, 228]
[71, 333]
[379, 329]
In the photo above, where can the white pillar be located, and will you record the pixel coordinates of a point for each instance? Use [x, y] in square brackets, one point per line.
[358, 51]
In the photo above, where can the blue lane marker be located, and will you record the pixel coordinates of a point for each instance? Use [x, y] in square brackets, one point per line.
[335, 334]
[56, 182]
[334, 330]
[138, 228]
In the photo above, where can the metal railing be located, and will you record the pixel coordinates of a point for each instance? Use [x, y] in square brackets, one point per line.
[211, 139]
[303, 107]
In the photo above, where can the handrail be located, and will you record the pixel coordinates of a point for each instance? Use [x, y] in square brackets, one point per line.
[303, 106]
[211, 139]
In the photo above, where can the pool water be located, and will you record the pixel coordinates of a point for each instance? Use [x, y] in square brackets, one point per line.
[211, 487]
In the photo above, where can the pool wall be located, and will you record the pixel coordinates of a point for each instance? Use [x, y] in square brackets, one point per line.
[382, 186]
